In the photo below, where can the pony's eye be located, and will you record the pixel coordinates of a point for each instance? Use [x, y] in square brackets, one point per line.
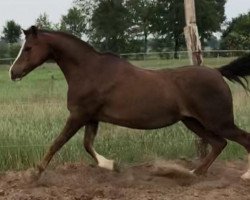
[27, 48]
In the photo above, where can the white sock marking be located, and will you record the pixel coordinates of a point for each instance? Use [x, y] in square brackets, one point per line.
[103, 162]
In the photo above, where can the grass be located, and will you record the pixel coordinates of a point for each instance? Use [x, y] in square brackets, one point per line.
[33, 111]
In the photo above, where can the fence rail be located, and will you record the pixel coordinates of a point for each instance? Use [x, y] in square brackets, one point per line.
[165, 55]
[183, 54]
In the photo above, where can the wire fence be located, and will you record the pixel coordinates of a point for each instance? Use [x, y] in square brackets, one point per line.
[183, 54]
[164, 55]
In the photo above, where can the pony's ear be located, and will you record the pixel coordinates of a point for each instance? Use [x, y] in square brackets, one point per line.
[25, 32]
[33, 30]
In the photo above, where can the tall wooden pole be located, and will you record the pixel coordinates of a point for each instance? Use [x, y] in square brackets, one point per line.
[195, 56]
[191, 34]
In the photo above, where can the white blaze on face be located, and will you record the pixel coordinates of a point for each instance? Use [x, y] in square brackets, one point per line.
[103, 162]
[19, 54]
[246, 176]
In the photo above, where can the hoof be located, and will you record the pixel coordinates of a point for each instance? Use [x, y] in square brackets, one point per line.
[107, 164]
[197, 172]
[32, 175]
[40, 169]
[110, 165]
[246, 176]
[117, 167]
[93, 165]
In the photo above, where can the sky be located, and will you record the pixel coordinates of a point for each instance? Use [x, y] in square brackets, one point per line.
[25, 12]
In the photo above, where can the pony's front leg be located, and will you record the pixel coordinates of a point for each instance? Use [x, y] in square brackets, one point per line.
[90, 133]
[73, 124]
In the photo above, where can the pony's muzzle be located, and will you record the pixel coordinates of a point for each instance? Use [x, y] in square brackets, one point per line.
[15, 76]
[11, 75]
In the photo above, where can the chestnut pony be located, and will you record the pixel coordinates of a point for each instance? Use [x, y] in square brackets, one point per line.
[105, 88]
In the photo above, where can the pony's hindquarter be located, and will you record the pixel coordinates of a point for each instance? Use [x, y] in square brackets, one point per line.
[210, 106]
[207, 99]
[204, 95]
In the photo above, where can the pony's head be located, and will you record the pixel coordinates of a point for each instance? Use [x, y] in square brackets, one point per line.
[34, 52]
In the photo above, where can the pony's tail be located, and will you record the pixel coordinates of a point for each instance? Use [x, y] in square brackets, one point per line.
[237, 69]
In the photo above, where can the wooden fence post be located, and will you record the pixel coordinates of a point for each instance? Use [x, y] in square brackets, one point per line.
[195, 55]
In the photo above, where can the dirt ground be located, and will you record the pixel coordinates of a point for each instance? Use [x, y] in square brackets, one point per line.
[149, 181]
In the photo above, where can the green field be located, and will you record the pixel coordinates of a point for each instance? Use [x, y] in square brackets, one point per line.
[33, 112]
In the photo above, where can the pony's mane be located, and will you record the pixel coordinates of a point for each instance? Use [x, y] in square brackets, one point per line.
[72, 37]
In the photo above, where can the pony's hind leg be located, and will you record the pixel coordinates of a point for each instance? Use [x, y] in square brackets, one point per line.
[90, 133]
[242, 137]
[217, 143]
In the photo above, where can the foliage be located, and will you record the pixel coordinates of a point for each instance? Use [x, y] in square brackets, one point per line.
[123, 26]
[109, 23]
[236, 35]
[8, 50]
[87, 8]
[213, 42]
[11, 32]
[74, 22]
[43, 22]
[3, 49]
[210, 16]
[14, 50]
[169, 19]
[117, 24]
[140, 12]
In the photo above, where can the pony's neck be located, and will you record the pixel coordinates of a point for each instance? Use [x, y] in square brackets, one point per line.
[71, 54]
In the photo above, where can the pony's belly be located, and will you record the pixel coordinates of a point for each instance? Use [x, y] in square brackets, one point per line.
[147, 125]
[150, 110]
[142, 121]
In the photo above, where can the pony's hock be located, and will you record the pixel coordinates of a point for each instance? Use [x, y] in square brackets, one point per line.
[105, 88]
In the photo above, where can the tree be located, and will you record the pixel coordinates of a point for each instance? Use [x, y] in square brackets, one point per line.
[119, 26]
[140, 12]
[11, 31]
[109, 24]
[87, 8]
[169, 19]
[236, 35]
[4, 49]
[210, 16]
[43, 22]
[14, 50]
[74, 22]
[116, 24]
